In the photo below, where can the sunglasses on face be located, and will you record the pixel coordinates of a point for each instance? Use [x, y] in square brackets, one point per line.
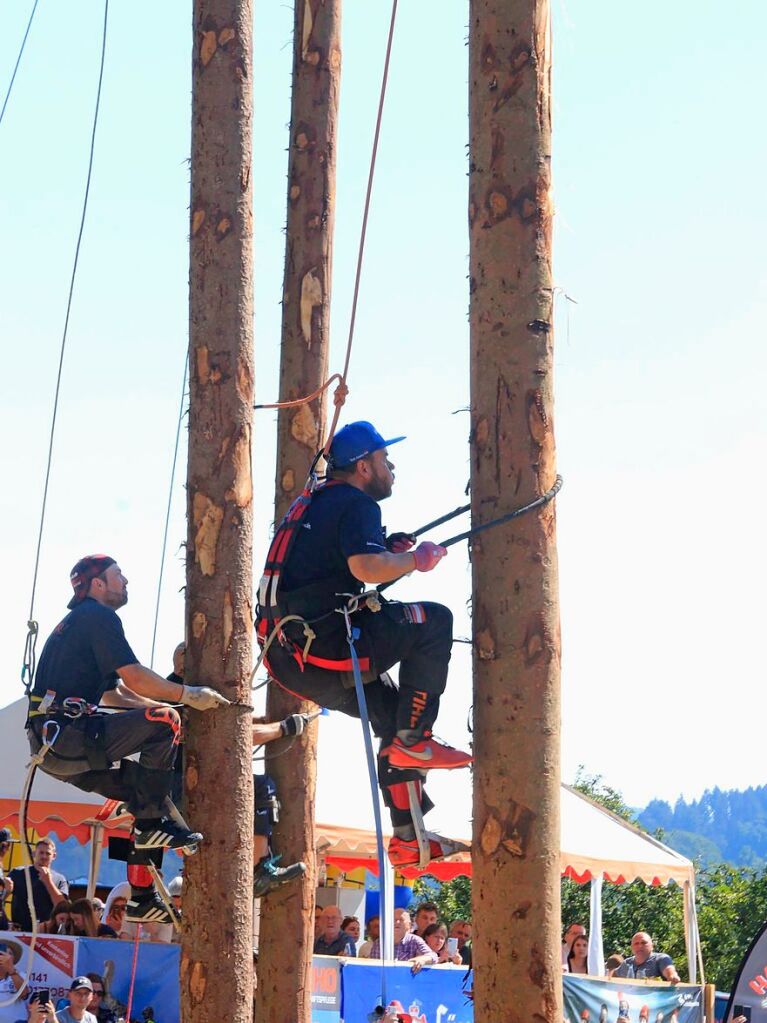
[98, 991]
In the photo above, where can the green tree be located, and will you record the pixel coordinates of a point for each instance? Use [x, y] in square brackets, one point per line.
[453, 898]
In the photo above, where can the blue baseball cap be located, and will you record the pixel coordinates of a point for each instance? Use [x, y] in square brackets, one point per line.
[355, 441]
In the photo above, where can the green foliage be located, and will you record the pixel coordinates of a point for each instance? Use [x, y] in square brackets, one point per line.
[731, 901]
[453, 898]
[733, 822]
[594, 786]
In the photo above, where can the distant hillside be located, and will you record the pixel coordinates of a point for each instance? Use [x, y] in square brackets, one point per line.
[722, 826]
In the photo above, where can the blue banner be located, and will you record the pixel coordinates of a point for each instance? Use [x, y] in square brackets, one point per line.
[157, 971]
[597, 1000]
[434, 995]
[326, 989]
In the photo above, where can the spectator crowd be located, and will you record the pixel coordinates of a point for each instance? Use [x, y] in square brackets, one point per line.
[644, 963]
[56, 913]
[421, 940]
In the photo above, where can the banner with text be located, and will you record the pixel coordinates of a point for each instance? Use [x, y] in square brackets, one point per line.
[326, 989]
[434, 995]
[597, 1000]
[56, 960]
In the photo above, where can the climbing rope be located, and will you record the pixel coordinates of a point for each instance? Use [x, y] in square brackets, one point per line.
[28, 666]
[539, 502]
[18, 61]
[26, 790]
[352, 635]
[342, 390]
[167, 510]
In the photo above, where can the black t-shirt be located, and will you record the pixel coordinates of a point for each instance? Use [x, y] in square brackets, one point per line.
[341, 521]
[42, 900]
[82, 654]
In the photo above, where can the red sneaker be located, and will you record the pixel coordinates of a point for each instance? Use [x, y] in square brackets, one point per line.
[426, 755]
[404, 854]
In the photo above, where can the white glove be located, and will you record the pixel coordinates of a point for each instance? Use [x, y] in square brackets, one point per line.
[294, 725]
[202, 698]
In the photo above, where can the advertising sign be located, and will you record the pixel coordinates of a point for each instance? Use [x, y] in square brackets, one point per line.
[326, 989]
[434, 995]
[597, 1000]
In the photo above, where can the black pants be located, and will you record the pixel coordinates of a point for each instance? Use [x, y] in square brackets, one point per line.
[89, 752]
[418, 637]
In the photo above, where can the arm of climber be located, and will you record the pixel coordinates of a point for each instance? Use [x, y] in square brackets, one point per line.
[386, 567]
[380, 568]
[122, 696]
[266, 732]
[145, 683]
[152, 686]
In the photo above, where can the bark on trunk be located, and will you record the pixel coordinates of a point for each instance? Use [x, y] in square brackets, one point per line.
[287, 916]
[217, 956]
[515, 609]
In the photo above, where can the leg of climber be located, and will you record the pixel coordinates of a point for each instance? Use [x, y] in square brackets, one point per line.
[419, 638]
[267, 874]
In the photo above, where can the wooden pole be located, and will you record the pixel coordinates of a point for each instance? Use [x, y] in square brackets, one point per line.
[217, 953]
[515, 602]
[287, 916]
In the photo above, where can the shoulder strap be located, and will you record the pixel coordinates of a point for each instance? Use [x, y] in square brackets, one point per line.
[281, 546]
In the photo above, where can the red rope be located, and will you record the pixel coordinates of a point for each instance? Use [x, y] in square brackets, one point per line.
[133, 972]
[339, 397]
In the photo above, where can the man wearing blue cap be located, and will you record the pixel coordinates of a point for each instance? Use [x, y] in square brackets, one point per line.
[322, 555]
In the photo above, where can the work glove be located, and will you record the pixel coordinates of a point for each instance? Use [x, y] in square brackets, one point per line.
[294, 725]
[398, 543]
[428, 555]
[202, 698]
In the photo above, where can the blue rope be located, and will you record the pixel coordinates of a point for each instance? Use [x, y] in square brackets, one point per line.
[18, 61]
[352, 635]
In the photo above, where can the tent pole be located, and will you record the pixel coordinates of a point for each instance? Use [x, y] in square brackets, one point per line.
[689, 937]
[596, 956]
[97, 832]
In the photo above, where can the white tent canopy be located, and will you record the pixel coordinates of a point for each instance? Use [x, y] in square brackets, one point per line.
[596, 845]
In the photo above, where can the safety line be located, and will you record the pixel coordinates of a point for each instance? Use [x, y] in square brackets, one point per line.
[18, 61]
[363, 232]
[31, 622]
[342, 390]
[167, 510]
[352, 634]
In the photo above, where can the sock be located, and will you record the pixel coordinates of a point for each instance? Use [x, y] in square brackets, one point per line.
[145, 823]
[405, 831]
[409, 736]
[139, 877]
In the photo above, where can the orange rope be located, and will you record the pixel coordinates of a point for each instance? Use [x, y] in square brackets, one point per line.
[339, 396]
[134, 967]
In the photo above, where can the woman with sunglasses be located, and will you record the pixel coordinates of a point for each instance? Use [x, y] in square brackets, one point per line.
[99, 1004]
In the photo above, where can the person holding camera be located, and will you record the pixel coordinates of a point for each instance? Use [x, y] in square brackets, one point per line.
[40, 1009]
[11, 979]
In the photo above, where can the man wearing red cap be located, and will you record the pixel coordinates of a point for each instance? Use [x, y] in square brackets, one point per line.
[337, 544]
[86, 664]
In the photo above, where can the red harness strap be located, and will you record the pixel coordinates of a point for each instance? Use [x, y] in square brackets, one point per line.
[328, 663]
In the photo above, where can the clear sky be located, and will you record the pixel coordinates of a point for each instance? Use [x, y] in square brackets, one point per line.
[660, 413]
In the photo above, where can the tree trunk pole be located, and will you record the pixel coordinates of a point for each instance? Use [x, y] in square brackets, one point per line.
[287, 915]
[515, 605]
[217, 956]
